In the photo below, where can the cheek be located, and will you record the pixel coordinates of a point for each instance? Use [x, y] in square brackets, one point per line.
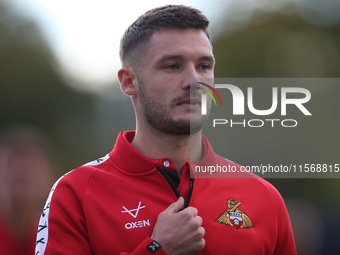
[160, 88]
[157, 90]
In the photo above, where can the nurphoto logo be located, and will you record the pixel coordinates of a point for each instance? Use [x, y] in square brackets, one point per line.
[280, 99]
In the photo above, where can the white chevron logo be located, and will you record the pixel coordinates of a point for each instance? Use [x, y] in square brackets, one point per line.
[136, 211]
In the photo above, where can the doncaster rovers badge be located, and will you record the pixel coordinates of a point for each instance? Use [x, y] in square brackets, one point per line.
[234, 216]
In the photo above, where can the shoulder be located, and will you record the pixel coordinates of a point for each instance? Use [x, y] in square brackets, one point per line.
[253, 182]
[75, 181]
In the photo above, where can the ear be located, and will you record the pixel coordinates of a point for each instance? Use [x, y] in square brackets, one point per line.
[128, 81]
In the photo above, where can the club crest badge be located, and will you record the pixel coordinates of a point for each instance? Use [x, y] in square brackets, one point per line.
[234, 216]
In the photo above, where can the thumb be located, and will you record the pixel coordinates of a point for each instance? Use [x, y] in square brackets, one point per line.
[176, 206]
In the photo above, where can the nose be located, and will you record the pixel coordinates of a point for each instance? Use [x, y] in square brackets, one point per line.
[190, 76]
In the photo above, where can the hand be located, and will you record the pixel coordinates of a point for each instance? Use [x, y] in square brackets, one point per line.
[179, 232]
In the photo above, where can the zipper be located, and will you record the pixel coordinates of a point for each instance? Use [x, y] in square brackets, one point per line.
[174, 189]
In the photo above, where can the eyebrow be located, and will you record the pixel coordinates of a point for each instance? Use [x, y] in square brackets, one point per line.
[209, 58]
[168, 57]
[179, 57]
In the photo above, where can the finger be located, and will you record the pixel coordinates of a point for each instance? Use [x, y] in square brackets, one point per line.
[199, 220]
[190, 210]
[176, 206]
[202, 231]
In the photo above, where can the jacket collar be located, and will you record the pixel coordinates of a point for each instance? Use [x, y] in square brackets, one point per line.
[127, 158]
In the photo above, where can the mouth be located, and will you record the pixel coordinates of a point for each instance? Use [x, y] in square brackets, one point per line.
[190, 104]
[190, 101]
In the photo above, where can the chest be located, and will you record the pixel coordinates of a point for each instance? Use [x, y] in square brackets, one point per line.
[122, 213]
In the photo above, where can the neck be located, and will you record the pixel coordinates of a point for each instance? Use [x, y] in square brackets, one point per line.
[179, 148]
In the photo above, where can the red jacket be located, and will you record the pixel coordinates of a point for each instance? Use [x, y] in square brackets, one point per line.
[110, 206]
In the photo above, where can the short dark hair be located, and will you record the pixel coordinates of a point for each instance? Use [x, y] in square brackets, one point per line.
[168, 16]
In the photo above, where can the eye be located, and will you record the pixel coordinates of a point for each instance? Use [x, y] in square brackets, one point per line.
[172, 67]
[204, 67]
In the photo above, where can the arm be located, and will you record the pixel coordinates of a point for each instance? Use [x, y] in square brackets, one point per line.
[63, 228]
[285, 244]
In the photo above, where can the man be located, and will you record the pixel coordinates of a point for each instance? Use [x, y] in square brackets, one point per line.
[141, 198]
[26, 173]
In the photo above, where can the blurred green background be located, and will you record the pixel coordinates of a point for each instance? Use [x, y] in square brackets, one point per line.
[283, 41]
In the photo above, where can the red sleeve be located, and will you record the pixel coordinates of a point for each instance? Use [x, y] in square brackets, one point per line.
[62, 226]
[141, 249]
[285, 244]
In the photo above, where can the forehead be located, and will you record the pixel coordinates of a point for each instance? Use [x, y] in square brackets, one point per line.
[189, 43]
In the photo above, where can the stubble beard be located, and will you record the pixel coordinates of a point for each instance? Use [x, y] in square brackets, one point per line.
[156, 114]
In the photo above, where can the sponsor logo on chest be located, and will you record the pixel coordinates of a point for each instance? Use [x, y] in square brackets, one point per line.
[134, 213]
